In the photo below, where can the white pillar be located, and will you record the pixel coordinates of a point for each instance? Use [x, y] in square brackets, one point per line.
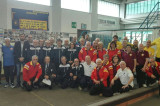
[94, 14]
[56, 15]
[3, 14]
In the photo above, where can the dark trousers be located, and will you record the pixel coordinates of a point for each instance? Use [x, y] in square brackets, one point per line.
[97, 89]
[63, 81]
[86, 82]
[9, 73]
[18, 68]
[117, 87]
[157, 59]
[33, 85]
[75, 83]
[141, 76]
[0, 70]
[151, 80]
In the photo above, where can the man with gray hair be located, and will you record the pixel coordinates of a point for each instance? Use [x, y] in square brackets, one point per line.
[81, 44]
[31, 74]
[97, 39]
[33, 50]
[47, 49]
[52, 41]
[8, 63]
[66, 43]
[124, 46]
[86, 82]
[126, 79]
[87, 50]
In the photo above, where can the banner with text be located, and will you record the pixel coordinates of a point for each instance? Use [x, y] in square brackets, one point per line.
[29, 19]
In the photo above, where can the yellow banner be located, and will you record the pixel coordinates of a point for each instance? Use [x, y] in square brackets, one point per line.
[32, 24]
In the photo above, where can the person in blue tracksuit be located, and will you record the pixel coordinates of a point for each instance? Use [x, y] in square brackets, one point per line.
[58, 52]
[8, 63]
[71, 53]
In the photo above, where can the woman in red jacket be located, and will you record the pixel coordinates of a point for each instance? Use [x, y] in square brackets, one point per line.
[113, 50]
[115, 65]
[99, 77]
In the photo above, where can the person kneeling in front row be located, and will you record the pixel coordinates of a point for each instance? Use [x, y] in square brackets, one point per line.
[153, 72]
[77, 72]
[99, 76]
[123, 80]
[64, 73]
[49, 73]
[31, 73]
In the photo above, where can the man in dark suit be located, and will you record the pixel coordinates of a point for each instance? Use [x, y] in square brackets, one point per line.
[19, 56]
[48, 72]
[27, 45]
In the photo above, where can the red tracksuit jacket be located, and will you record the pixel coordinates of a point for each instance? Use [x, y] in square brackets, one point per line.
[109, 67]
[149, 70]
[83, 53]
[100, 53]
[112, 53]
[30, 71]
[103, 74]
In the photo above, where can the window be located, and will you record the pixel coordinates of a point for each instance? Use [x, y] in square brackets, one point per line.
[106, 8]
[141, 7]
[140, 36]
[78, 5]
[42, 2]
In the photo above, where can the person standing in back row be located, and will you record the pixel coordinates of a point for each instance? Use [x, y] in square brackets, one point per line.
[157, 43]
[142, 57]
[19, 56]
[8, 63]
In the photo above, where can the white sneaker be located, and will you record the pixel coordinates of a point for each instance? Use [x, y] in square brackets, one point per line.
[144, 85]
[6, 85]
[12, 86]
[157, 81]
[80, 88]
[116, 93]
[153, 84]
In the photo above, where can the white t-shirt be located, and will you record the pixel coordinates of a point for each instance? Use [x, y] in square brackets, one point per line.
[124, 76]
[88, 68]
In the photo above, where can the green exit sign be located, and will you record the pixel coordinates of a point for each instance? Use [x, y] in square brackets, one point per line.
[74, 24]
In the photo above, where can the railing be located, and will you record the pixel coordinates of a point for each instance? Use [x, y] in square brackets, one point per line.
[150, 16]
[150, 19]
[145, 25]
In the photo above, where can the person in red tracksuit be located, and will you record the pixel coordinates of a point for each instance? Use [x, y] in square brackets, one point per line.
[99, 77]
[113, 51]
[87, 50]
[109, 67]
[101, 51]
[153, 72]
[31, 73]
[115, 65]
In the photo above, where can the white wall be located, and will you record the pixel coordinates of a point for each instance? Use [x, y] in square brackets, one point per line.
[69, 16]
[59, 19]
[108, 27]
[3, 14]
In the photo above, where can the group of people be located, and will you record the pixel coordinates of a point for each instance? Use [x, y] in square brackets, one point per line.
[84, 65]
